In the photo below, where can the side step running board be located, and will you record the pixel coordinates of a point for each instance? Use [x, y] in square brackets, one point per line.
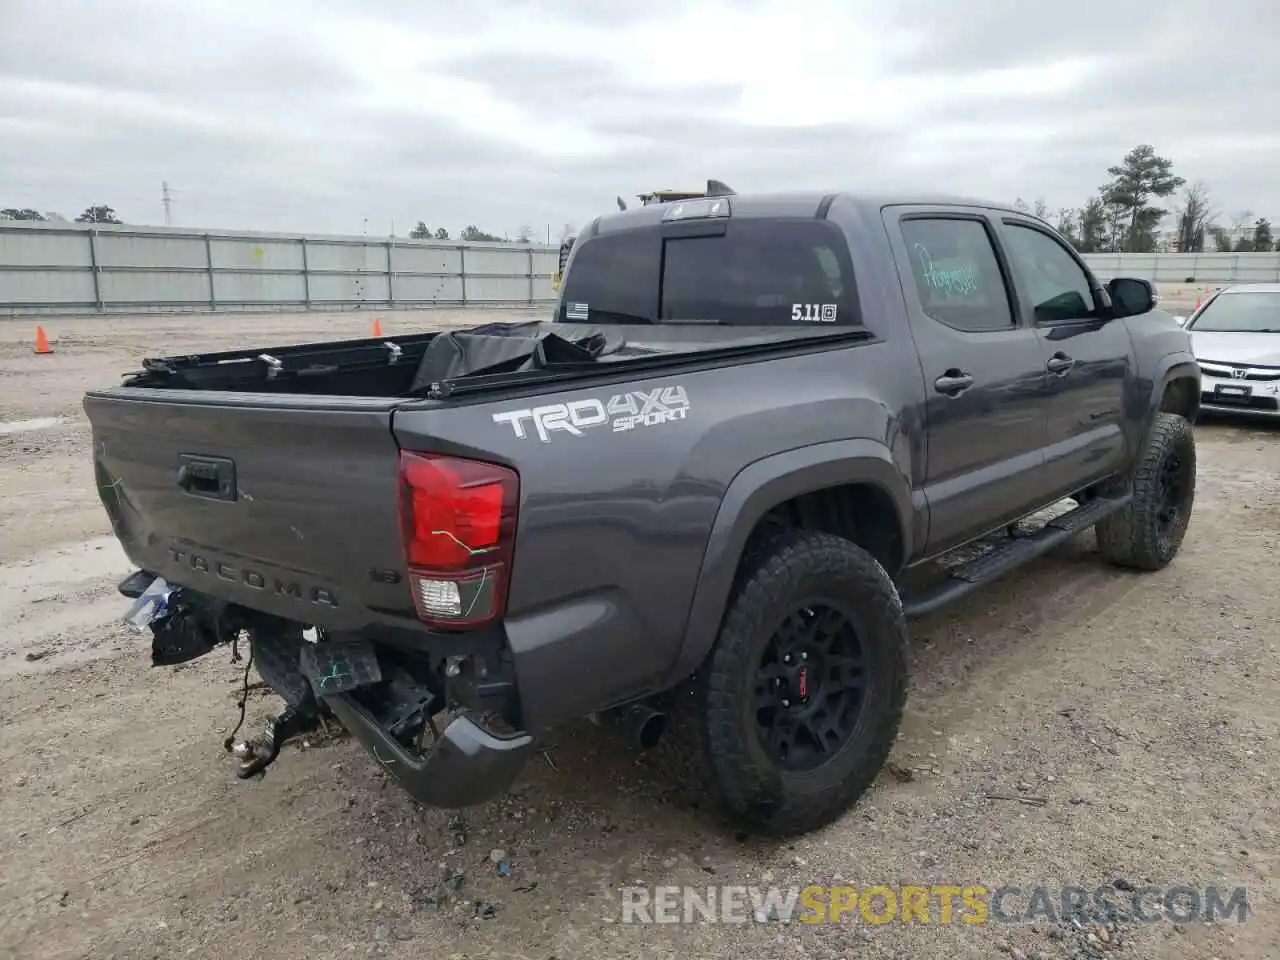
[967, 577]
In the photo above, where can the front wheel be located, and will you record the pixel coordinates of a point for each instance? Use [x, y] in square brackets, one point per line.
[803, 693]
[1147, 534]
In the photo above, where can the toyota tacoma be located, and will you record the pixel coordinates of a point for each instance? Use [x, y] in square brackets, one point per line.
[758, 435]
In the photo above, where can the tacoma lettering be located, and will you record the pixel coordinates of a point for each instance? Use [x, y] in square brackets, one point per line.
[254, 579]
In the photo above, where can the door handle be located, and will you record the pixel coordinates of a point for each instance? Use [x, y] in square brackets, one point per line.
[1060, 363]
[211, 477]
[953, 382]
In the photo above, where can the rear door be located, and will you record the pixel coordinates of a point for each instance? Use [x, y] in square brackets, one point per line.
[984, 374]
[1089, 361]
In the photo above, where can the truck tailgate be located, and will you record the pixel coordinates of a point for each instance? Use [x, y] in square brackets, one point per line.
[284, 504]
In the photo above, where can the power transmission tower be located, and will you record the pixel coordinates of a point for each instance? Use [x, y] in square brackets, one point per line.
[167, 200]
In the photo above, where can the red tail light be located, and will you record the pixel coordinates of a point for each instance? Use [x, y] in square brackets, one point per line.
[459, 519]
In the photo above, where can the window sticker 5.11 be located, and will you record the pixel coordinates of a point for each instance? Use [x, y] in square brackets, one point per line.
[813, 312]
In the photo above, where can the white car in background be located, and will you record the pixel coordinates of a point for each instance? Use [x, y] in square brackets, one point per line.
[1235, 336]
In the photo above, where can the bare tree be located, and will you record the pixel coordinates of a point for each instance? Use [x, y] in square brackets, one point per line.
[1117, 231]
[1242, 231]
[1240, 219]
[1094, 219]
[1195, 217]
[524, 234]
[1262, 240]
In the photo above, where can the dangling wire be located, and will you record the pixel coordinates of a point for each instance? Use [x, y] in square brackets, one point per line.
[244, 689]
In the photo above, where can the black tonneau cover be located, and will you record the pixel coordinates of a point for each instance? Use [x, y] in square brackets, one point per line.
[508, 348]
[436, 363]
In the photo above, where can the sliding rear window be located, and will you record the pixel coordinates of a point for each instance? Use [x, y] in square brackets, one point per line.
[767, 272]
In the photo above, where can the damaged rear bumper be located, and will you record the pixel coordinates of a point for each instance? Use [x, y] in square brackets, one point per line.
[468, 765]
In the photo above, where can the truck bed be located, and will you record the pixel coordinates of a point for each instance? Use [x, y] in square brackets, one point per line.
[433, 364]
[268, 478]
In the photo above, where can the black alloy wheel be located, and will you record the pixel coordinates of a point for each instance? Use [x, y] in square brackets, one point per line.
[809, 686]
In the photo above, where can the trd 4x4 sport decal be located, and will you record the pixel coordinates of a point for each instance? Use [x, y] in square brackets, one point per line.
[625, 411]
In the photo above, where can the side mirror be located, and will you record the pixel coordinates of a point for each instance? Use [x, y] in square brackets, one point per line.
[1131, 297]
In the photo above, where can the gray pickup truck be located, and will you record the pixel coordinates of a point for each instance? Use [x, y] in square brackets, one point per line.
[743, 453]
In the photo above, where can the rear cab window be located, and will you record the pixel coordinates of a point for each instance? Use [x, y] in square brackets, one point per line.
[759, 272]
[612, 279]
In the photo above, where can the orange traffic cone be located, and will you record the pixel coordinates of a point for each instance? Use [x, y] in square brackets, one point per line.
[377, 327]
[42, 342]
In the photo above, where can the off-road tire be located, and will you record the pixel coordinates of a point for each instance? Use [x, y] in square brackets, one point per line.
[1134, 537]
[755, 790]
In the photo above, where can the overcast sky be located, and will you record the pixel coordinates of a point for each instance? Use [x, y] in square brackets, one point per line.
[319, 114]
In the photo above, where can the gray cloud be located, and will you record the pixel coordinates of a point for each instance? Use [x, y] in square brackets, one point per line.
[578, 86]
[298, 120]
[162, 49]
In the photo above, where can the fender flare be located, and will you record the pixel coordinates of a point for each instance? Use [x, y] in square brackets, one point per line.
[1172, 366]
[757, 489]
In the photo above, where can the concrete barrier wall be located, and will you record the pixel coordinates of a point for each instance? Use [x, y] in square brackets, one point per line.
[1188, 267]
[82, 268]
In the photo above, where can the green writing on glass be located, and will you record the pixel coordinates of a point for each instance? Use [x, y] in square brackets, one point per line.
[950, 278]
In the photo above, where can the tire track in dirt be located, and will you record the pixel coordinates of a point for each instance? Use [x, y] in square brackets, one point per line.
[61, 606]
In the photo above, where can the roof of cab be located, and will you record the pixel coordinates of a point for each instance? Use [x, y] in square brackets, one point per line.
[793, 204]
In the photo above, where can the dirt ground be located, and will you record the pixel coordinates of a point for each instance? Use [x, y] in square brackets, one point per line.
[1142, 711]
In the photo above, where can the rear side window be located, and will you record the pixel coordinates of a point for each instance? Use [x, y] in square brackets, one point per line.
[772, 272]
[613, 279]
[957, 274]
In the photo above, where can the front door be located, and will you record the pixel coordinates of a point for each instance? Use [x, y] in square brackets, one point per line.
[1088, 359]
[983, 373]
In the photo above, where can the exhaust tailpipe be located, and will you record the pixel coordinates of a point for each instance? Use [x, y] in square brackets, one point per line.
[641, 724]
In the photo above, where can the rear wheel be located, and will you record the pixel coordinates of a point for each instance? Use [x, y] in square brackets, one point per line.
[802, 696]
[1148, 533]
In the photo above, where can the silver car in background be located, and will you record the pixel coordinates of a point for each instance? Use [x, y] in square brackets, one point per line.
[1236, 339]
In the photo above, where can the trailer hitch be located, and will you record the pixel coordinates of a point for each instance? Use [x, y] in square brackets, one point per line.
[256, 756]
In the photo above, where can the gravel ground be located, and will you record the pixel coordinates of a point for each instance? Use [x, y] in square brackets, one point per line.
[1125, 723]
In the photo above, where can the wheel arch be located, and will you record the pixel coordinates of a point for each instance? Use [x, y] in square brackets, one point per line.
[759, 489]
[1175, 389]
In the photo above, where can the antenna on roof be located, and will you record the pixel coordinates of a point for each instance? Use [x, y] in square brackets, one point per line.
[718, 188]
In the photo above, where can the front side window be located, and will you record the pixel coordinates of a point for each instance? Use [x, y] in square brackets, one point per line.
[1239, 313]
[956, 273]
[1056, 286]
[774, 272]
